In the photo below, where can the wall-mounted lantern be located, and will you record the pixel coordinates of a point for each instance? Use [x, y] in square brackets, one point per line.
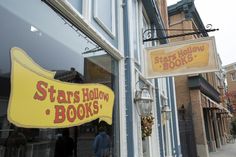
[166, 111]
[143, 101]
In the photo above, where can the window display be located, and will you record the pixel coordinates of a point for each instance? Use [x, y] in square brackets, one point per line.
[73, 59]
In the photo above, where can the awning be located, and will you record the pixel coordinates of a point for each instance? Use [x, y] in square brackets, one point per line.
[208, 103]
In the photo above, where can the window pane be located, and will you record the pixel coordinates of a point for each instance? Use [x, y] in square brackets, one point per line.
[77, 4]
[233, 76]
[88, 61]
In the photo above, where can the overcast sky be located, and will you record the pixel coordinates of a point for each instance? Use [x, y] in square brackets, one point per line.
[222, 15]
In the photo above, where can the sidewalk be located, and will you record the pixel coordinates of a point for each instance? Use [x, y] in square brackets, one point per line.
[228, 150]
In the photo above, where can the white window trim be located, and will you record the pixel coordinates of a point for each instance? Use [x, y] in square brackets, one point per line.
[112, 32]
[85, 26]
[74, 9]
[143, 16]
[139, 31]
[86, 9]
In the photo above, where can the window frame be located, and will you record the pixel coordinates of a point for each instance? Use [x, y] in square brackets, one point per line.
[233, 76]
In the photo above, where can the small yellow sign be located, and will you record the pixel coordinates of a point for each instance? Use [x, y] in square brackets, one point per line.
[182, 58]
[39, 101]
[196, 55]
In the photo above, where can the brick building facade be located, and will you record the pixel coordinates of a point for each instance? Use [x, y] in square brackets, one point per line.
[198, 96]
[230, 70]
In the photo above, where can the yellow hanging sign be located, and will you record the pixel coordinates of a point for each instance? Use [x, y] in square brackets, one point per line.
[39, 101]
[181, 58]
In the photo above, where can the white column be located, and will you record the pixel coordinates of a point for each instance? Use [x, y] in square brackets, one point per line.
[168, 139]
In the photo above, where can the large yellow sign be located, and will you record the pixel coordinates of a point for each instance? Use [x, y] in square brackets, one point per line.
[188, 57]
[39, 101]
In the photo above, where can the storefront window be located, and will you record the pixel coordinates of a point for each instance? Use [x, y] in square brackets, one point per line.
[76, 58]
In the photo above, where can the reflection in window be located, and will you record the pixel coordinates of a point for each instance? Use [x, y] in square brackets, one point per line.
[80, 61]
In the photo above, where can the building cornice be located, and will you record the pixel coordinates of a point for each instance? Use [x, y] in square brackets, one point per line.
[198, 82]
[229, 65]
[190, 12]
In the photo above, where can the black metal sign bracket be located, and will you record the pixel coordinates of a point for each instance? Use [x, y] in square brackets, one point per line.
[150, 34]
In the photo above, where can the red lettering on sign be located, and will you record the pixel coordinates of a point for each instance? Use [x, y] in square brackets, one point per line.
[88, 109]
[81, 111]
[96, 108]
[41, 93]
[76, 97]
[59, 114]
[52, 91]
[71, 113]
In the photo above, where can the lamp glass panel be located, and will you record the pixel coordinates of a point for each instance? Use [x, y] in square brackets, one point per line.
[145, 107]
[145, 94]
